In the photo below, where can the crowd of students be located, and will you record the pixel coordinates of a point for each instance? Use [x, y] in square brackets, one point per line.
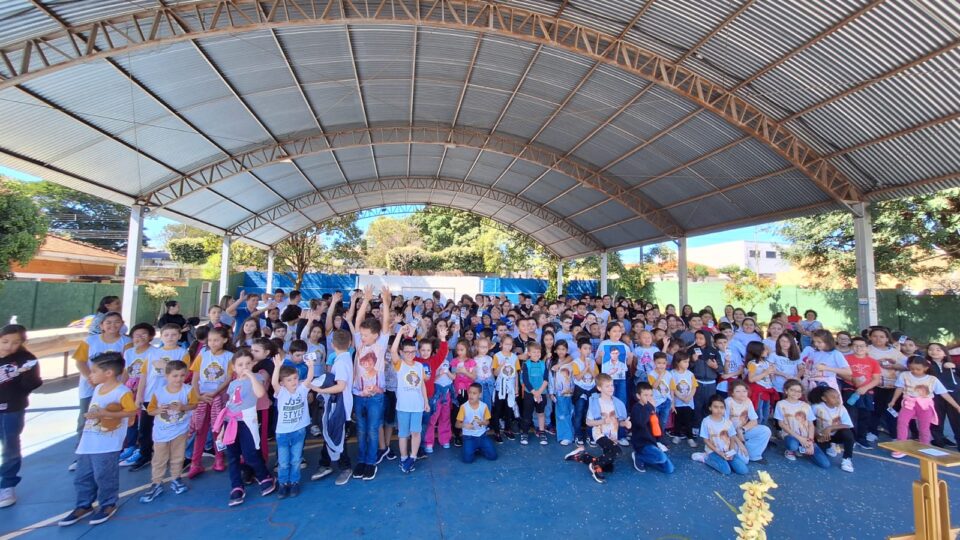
[598, 374]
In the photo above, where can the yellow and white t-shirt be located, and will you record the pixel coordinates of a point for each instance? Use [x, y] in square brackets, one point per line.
[468, 415]
[105, 435]
[662, 384]
[90, 348]
[156, 370]
[585, 373]
[683, 385]
[169, 425]
[211, 371]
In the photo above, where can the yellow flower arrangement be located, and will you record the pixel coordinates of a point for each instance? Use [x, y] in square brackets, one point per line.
[754, 514]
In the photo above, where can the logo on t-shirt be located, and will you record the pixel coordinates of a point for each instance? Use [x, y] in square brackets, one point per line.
[171, 416]
[412, 378]
[508, 370]
[213, 372]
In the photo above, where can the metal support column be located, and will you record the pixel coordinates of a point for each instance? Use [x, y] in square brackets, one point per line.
[132, 269]
[559, 278]
[603, 273]
[225, 267]
[682, 270]
[866, 272]
[270, 256]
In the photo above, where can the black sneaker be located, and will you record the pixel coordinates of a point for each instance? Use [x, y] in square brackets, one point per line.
[523, 439]
[498, 437]
[359, 470]
[268, 486]
[551, 430]
[637, 464]
[458, 442]
[390, 455]
[382, 454]
[236, 497]
[103, 514]
[865, 444]
[283, 491]
[578, 441]
[543, 438]
[75, 516]
[137, 465]
[574, 455]
[321, 473]
[294, 489]
[370, 472]
[511, 436]
[597, 472]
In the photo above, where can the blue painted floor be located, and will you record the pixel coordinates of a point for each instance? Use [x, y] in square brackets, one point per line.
[529, 493]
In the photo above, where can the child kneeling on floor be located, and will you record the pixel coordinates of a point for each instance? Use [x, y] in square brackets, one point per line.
[605, 415]
[473, 419]
[98, 455]
[172, 406]
[646, 432]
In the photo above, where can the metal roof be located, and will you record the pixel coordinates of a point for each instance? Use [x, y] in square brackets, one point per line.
[587, 125]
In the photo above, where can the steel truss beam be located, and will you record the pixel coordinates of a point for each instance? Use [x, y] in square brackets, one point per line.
[162, 24]
[471, 138]
[342, 192]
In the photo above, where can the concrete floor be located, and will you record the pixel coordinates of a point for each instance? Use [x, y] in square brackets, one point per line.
[529, 493]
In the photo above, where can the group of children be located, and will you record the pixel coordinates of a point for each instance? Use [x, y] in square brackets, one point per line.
[475, 374]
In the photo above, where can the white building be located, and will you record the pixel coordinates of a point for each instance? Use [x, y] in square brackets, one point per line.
[764, 258]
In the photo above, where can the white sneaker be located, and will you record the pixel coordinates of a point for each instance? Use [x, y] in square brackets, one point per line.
[663, 447]
[564, 442]
[623, 442]
[699, 457]
[72, 467]
[675, 440]
[846, 465]
[789, 455]
[696, 432]
[872, 437]
[7, 497]
[691, 443]
[832, 451]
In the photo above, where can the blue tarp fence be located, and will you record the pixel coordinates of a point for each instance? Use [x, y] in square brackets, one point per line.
[314, 285]
[513, 287]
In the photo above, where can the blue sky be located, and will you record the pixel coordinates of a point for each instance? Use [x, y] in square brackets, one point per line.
[763, 233]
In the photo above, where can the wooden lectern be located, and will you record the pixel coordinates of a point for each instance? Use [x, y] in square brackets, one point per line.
[931, 504]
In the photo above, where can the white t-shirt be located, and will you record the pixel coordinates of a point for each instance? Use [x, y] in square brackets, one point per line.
[740, 413]
[90, 348]
[682, 384]
[795, 415]
[661, 386]
[343, 371]
[827, 416]
[292, 409]
[155, 370]
[170, 425]
[369, 368]
[410, 381]
[720, 433]
[484, 368]
[920, 387]
[105, 435]
[608, 413]
[468, 415]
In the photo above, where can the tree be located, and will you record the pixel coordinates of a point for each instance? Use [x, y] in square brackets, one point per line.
[22, 228]
[330, 245]
[662, 259]
[179, 231]
[387, 233]
[89, 218]
[748, 289]
[441, 228]
[193, 251]
[907, 233]
[698, 272]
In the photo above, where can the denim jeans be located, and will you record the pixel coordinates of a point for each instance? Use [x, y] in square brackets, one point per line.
[369, 418]
[11, 426]
[763, 411]
[819, 458]
[663, 416]
[486, 395]
[97, 479]
[737, 464]
[756, 441]
[564, 409]
[482, 444]
[289, 453]
[649, 454]
[581, 403]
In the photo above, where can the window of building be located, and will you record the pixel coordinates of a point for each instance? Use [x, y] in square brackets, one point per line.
[753, 253]
[771, 254]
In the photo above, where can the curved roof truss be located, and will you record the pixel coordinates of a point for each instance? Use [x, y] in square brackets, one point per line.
[162, 24]
[418, 190]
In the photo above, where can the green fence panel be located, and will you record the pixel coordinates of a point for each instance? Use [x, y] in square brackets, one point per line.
[18, 298]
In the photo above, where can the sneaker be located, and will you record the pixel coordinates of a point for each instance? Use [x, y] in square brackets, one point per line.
[511, 436]
[103, 514]
[303, 463]
[699, 457]
[405, 465]
[72, 467]
[872, 437]
[343, 477]
[498, 437]
[663, 447]
[789, 455]
[898, 455]
[457, 441]
[623, 442]
[675, 440]
[154, 491]
[382, 454]
[592, 443]
[283, 491]
[551, 430]
[127, 452]
[428, 449]
[523, 439]
[691, 443]
[268, 486]
[7, 497]
[413, 464]
[421, 457]
[75, 516]
[543, 438]
[294, 489]
[565, 442]
[445, 446]
[132, 459]
[637, 464]
[572, 455]
[322, 472]
[832, 451]
[597, 472]
[865, 444]
[696, 432]
[390, 455]
[236, 497]
[370, 472]
[578, 441]
[178, 487]
[139, 464]
[358, 470]
[846, 465]
[315, 430]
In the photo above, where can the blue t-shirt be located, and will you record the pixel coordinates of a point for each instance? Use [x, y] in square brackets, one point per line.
[301, 368]
[534, 373]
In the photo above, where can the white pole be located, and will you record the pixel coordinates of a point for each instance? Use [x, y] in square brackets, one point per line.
[132, 269]
[603, 273]
[682, 270]
[866, 271]
[270, 256]
[559, 278]
[225, 266]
